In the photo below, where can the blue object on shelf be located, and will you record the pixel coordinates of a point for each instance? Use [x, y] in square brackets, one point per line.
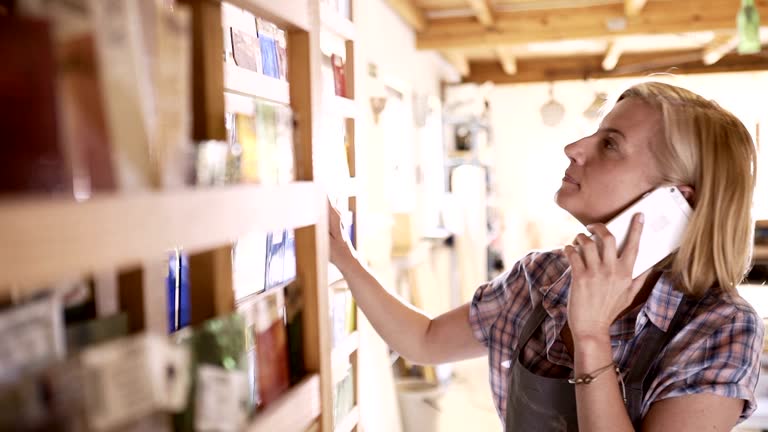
[275, 259]
[183, 311]
[289, 272]
[269, 61]
[171, 284]
[177, 285]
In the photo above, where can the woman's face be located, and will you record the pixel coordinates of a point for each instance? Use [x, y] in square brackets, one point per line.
[612, 168]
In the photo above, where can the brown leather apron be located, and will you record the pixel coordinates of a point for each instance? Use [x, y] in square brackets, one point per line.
[541, 404]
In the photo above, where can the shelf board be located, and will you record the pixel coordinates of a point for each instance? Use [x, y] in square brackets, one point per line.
[437, 234]
[237, 103]
[289, 14]
[333, 22]
[46, 240]
[295, 411]
[335, 277]
[340, 355]
[349, 422]
[350, 188]
[348, 345]
[344, 107]
[250, 83]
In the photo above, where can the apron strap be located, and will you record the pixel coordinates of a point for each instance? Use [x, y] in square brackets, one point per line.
[639, 376]
[534, 322]
[531, 324]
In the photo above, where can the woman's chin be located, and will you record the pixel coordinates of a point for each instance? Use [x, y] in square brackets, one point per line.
[567, 202]
[564, 197]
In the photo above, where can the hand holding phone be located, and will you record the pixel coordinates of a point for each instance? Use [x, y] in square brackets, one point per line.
[666, 213]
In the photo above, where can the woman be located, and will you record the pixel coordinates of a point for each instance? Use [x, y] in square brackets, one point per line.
[677, 343]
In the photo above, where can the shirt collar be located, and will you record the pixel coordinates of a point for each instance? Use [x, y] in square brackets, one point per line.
[660, 307]
[662, 304]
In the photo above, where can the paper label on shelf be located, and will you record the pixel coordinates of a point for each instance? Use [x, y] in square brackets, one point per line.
[119, 382]
[30, 335]
[131, 378]
[221, 399]
[249, 264]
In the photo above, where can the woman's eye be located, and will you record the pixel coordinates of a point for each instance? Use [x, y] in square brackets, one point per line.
[609, 144]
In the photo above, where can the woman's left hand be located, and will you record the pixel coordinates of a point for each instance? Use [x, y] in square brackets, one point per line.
[602, 285]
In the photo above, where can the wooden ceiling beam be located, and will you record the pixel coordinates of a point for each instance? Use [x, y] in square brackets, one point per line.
[633, 7]
[612, 55]
[516, 28]
[410, 13]
[482, 11]
[458, 61]
[508, 61]
[721, 45]
[630, 65]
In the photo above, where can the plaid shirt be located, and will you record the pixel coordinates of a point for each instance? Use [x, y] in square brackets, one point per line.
[717, 351]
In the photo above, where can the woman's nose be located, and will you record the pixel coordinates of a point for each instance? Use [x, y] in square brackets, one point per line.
[575, 152]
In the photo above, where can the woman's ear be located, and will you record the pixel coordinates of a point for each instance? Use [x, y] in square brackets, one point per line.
[688, 193]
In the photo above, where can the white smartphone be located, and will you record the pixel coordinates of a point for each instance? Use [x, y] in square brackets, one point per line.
[666, 214]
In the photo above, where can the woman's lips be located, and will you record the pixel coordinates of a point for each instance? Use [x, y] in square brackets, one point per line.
[569, 179]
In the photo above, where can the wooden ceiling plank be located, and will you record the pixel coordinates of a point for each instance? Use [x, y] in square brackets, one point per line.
[577, 68]
[514, 28]
[508, 61]
[612, 55]
[410, 13]
[458, 61]
[543, 20]
[482, 11]
[721, 45]
[633, 8]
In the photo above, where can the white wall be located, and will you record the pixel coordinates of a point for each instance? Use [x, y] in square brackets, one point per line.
[386, 41]
[531, 159]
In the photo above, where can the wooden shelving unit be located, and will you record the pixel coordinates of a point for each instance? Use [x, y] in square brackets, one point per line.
[46, 240]
[345, 108]
[308, 405]
[295, 411]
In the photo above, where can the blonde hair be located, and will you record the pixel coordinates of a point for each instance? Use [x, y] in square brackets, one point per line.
[708, 148]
